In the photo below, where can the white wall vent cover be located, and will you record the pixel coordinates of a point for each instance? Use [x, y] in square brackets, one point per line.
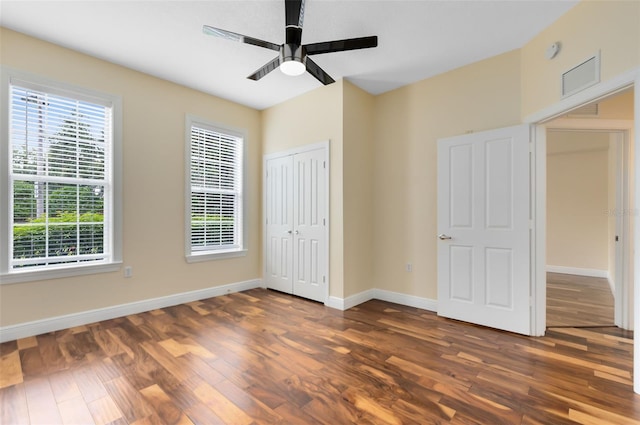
[581, 76]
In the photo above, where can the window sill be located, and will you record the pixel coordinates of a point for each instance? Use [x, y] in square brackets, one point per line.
[31, 276]
[219, 255]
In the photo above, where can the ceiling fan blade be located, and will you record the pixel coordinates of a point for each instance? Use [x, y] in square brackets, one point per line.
[265, 69]
[318, 73]
[294, 12]
[341, 45]
[217, 32]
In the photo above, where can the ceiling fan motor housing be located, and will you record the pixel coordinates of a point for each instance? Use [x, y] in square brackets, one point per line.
[292, 49]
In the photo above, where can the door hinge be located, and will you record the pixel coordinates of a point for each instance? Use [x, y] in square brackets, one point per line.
[324, 279]
[324, 164]
[617, 239]
[324, 223]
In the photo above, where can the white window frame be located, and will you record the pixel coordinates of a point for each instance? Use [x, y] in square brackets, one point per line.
[191, 255]
[113, 236]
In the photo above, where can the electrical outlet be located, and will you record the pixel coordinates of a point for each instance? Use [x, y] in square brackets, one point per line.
[128, 271]
[409, 267]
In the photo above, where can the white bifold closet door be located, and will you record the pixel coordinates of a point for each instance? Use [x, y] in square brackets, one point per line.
[296, 210]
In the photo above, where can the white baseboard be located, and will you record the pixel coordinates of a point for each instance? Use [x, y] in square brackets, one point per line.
[37, 327]
[351, 301]
[384, 295]
[404, 299]
[579, 271]
[335, 302]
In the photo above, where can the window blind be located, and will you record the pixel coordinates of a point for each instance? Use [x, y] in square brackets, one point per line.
[216, 190]
[60, 179]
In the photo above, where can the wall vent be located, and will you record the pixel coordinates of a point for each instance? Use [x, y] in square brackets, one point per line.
[581, 76]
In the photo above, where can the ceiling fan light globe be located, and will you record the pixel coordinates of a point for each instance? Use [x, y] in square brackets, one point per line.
[292, 68]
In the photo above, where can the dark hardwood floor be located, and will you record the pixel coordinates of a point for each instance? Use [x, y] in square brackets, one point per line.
[261, 357]
[578, 301]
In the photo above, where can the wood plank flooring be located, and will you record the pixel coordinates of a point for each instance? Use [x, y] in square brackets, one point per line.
[578, 301]
[261, 357]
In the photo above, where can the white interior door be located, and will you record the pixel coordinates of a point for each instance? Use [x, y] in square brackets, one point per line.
[279, 224]
[309, 215]
[484, 228]
[296, 237]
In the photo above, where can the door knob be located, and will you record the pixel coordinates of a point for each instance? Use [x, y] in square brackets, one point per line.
[289, 231]
[297, 232]
[443, 237]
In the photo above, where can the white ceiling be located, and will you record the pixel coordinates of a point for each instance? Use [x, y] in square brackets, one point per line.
[416, 39]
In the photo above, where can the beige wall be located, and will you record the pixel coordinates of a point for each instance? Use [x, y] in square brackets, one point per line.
[493, 93]
[311, 118]
[611, 27]
[578, 199]
[389, 140]
[618, 107]
[359, 191]
[153, 143]
[408, 122]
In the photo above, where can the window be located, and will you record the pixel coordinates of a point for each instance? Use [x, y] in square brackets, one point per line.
[215, 202]
[60, 182]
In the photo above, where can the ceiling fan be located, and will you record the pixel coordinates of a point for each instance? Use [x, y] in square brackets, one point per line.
[294, 56]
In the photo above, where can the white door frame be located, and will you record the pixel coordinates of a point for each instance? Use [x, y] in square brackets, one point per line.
[324, 145]
[623, 128]
[614, 85]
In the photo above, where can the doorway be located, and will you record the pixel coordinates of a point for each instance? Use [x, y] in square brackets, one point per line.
[630, 284]
[614, 116]
[582, 230]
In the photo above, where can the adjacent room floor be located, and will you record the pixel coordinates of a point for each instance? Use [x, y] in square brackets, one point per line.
[578, 301]
[261, 357]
